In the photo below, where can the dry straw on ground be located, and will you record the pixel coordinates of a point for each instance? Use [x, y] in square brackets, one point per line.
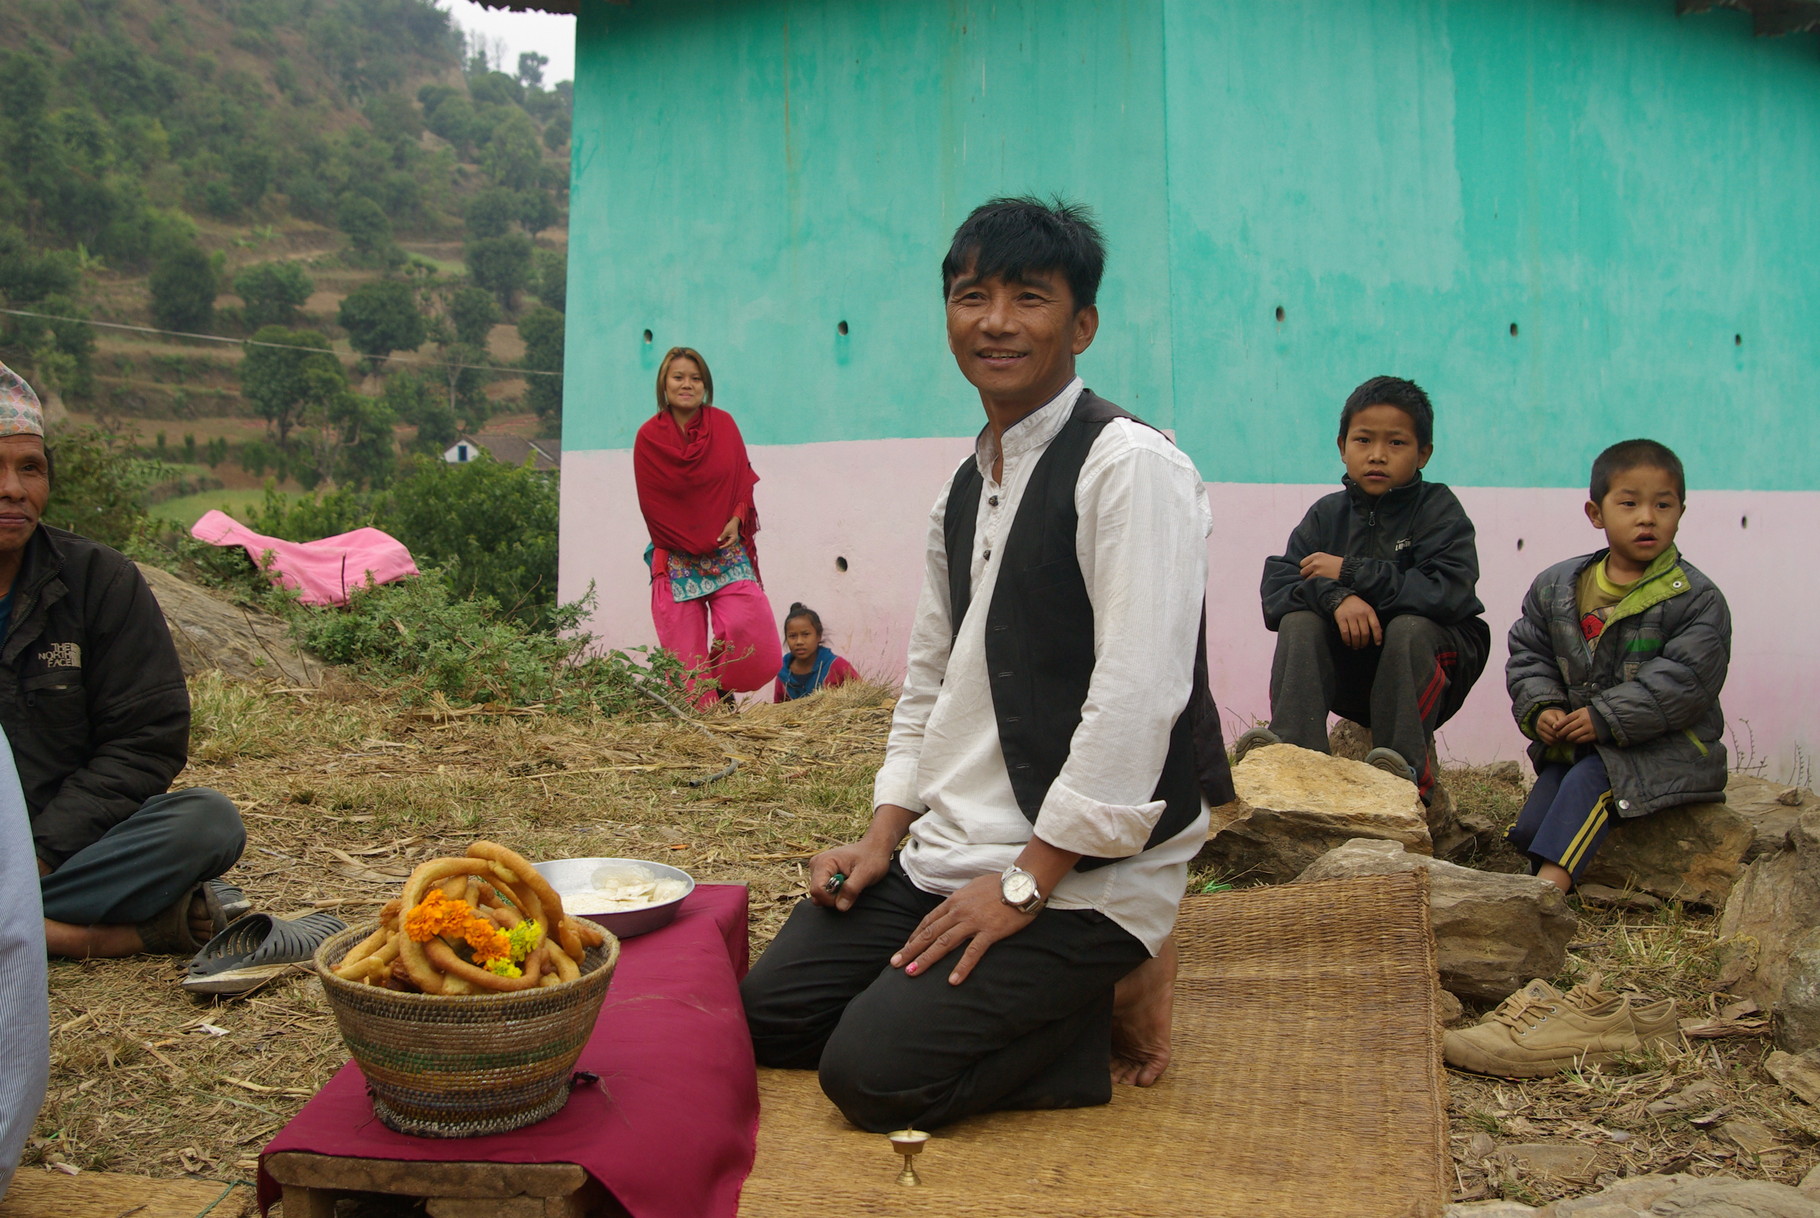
[344, 789]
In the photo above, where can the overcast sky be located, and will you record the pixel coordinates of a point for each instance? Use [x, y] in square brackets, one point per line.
[545, 33]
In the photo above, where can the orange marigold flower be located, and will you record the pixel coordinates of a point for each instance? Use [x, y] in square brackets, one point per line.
[487, 940]
[424, 922]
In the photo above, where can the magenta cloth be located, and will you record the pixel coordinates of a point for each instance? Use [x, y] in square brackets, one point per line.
[322, 571]
[671, 1128]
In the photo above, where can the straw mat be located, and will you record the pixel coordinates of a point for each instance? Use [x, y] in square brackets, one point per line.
[1306, 1080]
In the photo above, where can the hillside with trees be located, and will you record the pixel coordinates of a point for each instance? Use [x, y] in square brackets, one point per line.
[370, 210]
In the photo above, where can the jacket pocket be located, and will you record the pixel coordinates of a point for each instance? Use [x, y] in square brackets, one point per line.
[58, 700]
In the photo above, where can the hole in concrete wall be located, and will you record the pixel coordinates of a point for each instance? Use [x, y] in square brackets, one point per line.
[1513, 329]
[1744, 522]
[647, 336]
[840, 564]
[1519, 543]
[1737, 340]
[1280, 313]
[842, 327]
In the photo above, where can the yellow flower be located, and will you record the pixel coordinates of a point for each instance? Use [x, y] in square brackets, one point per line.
[524, 939]
[504, 968]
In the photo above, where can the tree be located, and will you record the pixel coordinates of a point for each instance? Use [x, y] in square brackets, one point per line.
[286, 374]
[550, 279]
[473, 313]
[184, 283]
[501, 265]
[382, 317]
[273, 292]
[542, 332]
[512, 157]
[490, 213]
[530, 69]
[396, 121]
[369, 231]
[537, 211]
[413, 400]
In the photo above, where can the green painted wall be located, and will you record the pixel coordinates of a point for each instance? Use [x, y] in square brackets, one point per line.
[1404, 178]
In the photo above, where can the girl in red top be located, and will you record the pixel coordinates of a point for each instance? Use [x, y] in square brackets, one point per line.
[695, 490]
[810, 665]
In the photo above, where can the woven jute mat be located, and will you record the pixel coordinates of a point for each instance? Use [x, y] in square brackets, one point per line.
[1306, 1080]
[96, 1194]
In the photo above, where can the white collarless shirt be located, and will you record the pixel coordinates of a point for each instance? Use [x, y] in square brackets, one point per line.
[1142, 548]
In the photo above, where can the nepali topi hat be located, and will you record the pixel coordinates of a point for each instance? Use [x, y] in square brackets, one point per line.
[20, 412]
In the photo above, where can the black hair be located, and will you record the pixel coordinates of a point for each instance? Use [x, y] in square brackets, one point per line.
[798, 609]
[1010, 238]
[1635, 454]
[1406, 396]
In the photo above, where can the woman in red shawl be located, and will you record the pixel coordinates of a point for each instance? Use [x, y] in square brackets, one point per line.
[695, 490]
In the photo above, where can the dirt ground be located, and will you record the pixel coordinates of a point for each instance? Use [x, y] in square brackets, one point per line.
[345, 788]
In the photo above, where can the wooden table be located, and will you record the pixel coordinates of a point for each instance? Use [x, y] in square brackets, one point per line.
[312, 1184]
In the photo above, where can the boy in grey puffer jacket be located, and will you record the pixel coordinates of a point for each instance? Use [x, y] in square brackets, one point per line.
[1615, 670]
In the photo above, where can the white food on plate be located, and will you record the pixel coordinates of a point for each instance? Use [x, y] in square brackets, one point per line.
[619, 888]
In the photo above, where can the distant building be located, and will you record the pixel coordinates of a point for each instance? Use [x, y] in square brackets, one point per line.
[1572, 221]
[507, 450]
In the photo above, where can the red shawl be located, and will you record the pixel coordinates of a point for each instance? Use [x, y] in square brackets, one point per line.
[690, 484]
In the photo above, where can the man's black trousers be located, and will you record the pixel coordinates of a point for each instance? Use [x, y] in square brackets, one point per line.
[1029, 1028]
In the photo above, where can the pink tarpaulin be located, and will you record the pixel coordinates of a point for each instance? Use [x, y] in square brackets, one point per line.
[322, 571]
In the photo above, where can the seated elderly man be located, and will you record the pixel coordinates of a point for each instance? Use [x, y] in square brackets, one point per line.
[94, 706]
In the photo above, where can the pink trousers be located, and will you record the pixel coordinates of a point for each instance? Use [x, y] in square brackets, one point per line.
[746, 652]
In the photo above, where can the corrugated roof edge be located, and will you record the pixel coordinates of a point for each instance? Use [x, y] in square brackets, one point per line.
[1769, 18]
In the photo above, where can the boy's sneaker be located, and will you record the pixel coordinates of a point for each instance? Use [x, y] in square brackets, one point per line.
[1539, 1031]
[1256, 738]
[1391, 762]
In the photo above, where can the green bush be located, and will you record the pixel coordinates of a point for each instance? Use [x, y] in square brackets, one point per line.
[422, 634]
[98, 487]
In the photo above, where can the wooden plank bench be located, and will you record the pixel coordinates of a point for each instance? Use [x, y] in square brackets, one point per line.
[313, 1183]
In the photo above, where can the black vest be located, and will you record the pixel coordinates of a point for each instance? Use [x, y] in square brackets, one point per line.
[1039, 636]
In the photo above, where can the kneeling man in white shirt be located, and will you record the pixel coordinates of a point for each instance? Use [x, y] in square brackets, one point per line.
[1052, 755]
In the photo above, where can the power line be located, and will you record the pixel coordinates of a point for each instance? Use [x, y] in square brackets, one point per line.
[253, 342]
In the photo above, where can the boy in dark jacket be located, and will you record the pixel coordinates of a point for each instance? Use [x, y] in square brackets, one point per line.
[1615, 669]
[1373, 601]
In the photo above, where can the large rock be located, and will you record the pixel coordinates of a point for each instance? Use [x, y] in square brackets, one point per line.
[1769, 936]
[1451, 833]
[1493, 931]
[1772, 808]
[1300, 804]
[212, 632]
[1693, 853]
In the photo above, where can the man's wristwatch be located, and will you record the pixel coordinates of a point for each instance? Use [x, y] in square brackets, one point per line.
[1017, 888]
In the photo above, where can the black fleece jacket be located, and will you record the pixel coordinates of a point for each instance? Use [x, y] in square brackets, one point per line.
[1409, 551]
[91, 692]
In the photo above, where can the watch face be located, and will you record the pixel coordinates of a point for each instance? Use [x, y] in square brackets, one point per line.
[1017, 887]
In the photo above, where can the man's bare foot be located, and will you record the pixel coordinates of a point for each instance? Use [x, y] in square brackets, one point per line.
[1142, 1006]
[84, 942]
[112, 940]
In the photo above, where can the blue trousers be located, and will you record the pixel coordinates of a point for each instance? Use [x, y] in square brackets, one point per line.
[1567, 815]
[143, 865]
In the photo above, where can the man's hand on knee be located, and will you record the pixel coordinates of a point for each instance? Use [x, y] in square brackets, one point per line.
[976, 916]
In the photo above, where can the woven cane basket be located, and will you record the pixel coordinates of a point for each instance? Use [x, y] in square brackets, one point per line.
[461, 1065]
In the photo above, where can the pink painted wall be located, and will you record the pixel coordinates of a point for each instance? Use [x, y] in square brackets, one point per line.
[868, 502]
